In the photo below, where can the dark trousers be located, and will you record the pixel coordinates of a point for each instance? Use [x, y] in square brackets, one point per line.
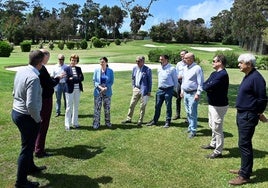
[28, 129]
[161, 96]
[45, 115]
[246, 122]
[177, 95]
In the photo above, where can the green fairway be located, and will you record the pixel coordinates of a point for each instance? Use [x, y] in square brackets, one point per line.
[128, 156]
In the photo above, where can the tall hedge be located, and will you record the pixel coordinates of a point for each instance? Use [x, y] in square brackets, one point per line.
[5, 49]
[25, 46]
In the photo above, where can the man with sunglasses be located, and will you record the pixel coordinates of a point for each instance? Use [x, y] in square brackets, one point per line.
[59, 89]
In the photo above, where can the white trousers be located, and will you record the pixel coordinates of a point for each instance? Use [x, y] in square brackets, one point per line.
[72, 104]
[215, 120]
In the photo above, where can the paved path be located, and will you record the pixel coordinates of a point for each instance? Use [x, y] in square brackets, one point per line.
[91, 67]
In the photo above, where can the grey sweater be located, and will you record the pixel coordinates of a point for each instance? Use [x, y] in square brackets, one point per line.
[28, 93]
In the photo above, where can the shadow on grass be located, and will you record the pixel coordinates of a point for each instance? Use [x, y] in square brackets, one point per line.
[66, 180]
[260, 175]
[235, 153]
[207, 132]
[77, 152]
[85, 116]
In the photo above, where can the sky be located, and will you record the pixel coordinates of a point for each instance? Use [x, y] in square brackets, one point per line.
[162, 10]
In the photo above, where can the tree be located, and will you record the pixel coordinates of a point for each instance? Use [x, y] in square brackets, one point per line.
[138, 14]
[12, 20]
[249, 23]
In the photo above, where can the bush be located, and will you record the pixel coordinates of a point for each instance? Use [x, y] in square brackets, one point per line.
[61, 45]
[231, 58]
[97, 43]
[155, 54]
[51, 45]
[70, 45]
[117, 41]
[83, 44]
[262, 63]
[5, 49]
[25, 46]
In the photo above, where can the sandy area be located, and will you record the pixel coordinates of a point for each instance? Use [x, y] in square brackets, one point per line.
[91, 67]
[211, 49]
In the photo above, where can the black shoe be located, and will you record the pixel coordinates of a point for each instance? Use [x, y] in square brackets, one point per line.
[139, 124]
[43, 155]
[126, 121]
[166, 125]
[151, 123]
[37, 169]
[207, 147]
[28, 184]
[214, 155]
[176, 117]
[57, 115]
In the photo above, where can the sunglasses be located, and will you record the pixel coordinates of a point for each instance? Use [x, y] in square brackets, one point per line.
[61, 59]
[215, 61]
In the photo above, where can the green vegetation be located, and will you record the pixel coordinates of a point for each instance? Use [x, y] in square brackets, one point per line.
[128, 156]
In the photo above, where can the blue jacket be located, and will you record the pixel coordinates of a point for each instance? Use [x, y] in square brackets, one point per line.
[69, 86]
[146, 79]
[109, 81]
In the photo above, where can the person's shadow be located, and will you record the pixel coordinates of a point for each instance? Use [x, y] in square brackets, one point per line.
[260, 176]
[72, 181]
[77, 152]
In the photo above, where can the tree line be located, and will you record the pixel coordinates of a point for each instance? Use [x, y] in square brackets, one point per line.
[244, 24]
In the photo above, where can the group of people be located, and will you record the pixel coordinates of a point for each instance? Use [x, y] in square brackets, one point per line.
[34, 87]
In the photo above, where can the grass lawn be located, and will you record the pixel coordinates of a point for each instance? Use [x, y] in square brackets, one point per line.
[126, 155]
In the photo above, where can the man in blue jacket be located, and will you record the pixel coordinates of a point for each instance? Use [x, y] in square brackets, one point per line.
[142, 86]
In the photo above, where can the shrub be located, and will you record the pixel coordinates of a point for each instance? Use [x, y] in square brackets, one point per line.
[231, 58]
[117, 41]
[5, 49]
[155, 54]
[70, 45]
[83, 44]
[51, 45]
[41, 45]
[61, 45]
[97, 43]
[262, 63]
[25, 46]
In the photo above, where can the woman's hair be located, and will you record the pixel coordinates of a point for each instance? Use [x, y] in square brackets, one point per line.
[74, 56]
[106, 60]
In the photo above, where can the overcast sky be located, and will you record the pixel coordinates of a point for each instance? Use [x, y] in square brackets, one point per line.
[162, 10]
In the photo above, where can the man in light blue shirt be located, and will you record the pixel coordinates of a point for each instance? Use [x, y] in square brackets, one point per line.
[167, 81]
[191, 88]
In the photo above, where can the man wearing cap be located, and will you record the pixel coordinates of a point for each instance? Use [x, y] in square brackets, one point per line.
[142, 86]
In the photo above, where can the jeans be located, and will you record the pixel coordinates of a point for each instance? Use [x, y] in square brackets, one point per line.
[191, 110]
[161, 96]
[246, 123]
[28, 129]
[59, 93]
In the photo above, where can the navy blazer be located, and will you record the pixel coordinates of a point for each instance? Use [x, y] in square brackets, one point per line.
[146, 79]
[69, 85]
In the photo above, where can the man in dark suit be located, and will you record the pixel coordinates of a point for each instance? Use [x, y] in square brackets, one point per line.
[142, 86]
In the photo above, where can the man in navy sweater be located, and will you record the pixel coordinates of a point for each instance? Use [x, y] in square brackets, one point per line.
[250, 103]
[216, 87]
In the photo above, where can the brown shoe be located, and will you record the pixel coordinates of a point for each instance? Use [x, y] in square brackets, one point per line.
[239, 180]
[234, 171]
